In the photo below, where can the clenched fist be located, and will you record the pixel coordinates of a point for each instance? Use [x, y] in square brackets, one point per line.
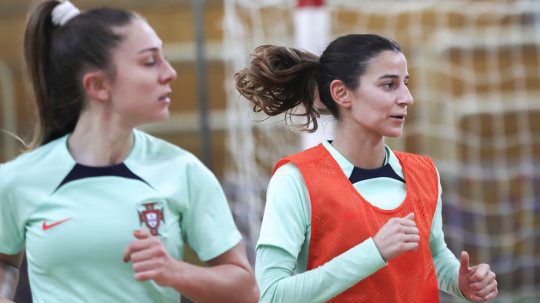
[397, 236]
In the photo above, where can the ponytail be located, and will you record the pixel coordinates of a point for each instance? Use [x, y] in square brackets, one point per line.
[37, 45]
[279, 79]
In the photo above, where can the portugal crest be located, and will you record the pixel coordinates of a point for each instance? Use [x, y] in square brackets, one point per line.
[151, 216]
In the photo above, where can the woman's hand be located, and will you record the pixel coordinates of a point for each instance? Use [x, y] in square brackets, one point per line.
[397, 236]
[228, 278]
[150, 259]
[477, 283]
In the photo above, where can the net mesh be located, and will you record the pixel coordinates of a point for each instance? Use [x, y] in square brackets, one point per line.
[475, 77]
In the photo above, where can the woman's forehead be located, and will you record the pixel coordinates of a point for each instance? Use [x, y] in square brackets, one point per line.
[387, 62]
[139, 35]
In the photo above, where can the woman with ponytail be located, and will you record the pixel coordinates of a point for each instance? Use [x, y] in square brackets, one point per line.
[351, 220]
[103, 210]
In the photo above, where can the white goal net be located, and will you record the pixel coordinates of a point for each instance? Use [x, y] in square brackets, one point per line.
[475, 77]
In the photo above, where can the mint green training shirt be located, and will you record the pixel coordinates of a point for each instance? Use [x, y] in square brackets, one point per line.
[76, 221]
[283, 246]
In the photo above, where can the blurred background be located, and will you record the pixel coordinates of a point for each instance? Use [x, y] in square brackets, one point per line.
[475, 77]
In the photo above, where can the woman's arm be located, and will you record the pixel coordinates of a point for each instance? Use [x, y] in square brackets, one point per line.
[477, 283]
[445, 262]
[275, 270]
[228, 279]
[9, 275]
[208, 227]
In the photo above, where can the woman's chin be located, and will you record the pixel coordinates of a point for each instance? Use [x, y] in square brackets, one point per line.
[162, 116]
[394, 134]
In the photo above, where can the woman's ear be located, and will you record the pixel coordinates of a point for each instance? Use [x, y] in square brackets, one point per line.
[340, 93]
[96, 85]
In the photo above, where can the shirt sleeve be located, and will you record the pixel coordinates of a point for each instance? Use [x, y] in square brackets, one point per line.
[275, 267]
[209, 225]
[11, 231]
[446, 264]
[283, 234]
[285, 219]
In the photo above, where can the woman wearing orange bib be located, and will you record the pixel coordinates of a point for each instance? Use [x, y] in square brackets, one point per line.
[351, 220]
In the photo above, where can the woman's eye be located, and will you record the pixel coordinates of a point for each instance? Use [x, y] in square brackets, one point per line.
[150, 62]
[387, 85]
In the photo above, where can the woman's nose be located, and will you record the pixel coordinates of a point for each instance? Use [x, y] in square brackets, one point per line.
[169, 73]
[405, 98]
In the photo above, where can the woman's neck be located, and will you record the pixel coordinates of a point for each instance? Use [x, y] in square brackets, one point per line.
[96, 141]
[362, 150]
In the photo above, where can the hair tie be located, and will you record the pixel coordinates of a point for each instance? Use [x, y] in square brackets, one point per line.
[64, 12]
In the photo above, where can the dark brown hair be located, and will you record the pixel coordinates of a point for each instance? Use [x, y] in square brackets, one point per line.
[279, 78]
[57, 57]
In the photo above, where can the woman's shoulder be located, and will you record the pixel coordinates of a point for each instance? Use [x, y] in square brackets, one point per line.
[408, 155]
[287, 178]
[34, 163]
[288, 171]
[152, 147]
[418, 160]
[34, 158]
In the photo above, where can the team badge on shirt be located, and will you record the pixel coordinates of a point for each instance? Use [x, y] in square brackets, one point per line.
[151, 216]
